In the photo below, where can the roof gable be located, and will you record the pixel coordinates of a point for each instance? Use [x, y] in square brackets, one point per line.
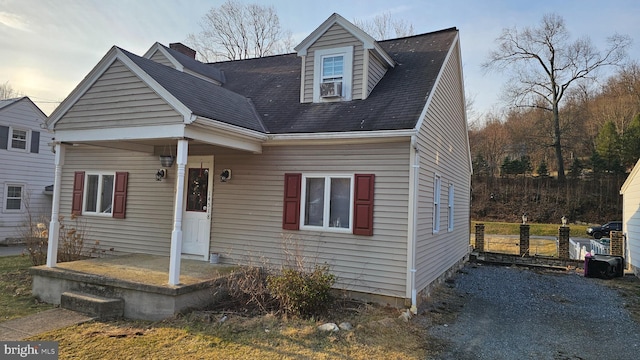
[182, 62]
[367, 41]
[634, 172]
[6, 103]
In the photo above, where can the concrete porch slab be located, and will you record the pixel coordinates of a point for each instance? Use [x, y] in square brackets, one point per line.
[140, 280]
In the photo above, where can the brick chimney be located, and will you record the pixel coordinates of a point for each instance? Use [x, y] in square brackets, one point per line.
[180, 47]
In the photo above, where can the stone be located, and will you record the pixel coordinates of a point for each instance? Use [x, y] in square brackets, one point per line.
[345, 326]
[329, 327]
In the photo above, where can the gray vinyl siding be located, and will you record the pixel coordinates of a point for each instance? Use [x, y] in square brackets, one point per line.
[444, 150]
[149, 217]
[118, 99]
[376, 71]
[160, 58]
[631, 217]
[336, 37]
[34, 171]
[247, 213]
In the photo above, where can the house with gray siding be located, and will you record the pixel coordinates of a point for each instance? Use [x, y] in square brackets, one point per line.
[26, 174]
[630, 192]
[353, 151]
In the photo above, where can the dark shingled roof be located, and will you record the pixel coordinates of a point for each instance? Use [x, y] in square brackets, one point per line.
[196, 66]
[273, 85]
[203, 98]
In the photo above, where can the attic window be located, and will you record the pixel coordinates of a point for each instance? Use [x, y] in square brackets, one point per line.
[332, 75]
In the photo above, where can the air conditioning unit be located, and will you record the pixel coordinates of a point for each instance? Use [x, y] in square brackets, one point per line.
[331, 89]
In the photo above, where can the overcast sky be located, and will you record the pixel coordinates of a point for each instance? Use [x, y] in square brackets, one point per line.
[48, 46]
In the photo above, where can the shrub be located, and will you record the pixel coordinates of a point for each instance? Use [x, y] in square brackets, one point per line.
[302, 293]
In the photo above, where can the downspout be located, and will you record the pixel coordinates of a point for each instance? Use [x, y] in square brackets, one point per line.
[414, 170]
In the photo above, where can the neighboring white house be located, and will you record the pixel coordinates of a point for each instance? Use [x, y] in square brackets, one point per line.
[26, 166]
[354, 149]
[631, 218]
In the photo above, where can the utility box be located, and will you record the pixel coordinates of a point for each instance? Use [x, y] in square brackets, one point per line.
[603, 266]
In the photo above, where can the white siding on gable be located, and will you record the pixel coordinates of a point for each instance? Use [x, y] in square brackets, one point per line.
[443, 144]
[247, 213]
[118, 99]
[160, 58]
[32, 170]
[631, 218]
[376, 71]
[335, 37]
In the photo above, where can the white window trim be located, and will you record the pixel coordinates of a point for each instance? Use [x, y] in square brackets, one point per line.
[347, 74]
[327, 196]
[23, 188]
[437, 185]
[450, 209]
[98, 204]
[27, 142]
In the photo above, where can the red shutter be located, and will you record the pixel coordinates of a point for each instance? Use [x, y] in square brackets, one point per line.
[120, 195]
[363, 204]
[291, 211]
[78, 191]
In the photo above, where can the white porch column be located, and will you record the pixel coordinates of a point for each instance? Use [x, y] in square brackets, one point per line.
[176, 234]
[54, 225]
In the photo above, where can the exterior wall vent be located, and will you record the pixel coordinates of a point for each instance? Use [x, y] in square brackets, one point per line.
[331, 89]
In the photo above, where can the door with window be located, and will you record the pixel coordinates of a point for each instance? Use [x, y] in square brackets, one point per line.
[196, 218]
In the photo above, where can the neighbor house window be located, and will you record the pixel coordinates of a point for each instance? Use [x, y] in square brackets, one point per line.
[437, 183]
[18, 139]
[327, 202]
[450, 212]
[100, 193]
[14, 197]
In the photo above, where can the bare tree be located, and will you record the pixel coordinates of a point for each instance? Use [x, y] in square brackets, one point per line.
[544, 63]
[7, 91]
[384, 27]
[239, 31]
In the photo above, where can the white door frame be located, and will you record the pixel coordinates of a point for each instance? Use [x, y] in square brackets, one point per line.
[203, 218]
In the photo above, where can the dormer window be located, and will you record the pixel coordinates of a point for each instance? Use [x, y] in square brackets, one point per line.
[332, 74]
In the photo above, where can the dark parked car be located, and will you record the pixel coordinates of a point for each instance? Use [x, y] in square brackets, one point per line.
[599, 231]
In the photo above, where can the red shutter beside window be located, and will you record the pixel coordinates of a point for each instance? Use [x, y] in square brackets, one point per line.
[78, 191]
[363, 204]
[292, 191]
[120, 195]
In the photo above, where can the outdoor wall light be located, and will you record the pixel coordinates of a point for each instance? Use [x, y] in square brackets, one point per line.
[161, 174]
[225, 175]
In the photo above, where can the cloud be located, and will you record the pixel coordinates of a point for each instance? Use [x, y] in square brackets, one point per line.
[13, 21]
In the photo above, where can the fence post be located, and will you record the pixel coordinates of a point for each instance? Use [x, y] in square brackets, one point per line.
[524, 240]
[563, 242]
[615, 246]
[480, 237]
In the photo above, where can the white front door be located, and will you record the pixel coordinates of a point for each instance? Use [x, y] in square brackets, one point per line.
[196, 218]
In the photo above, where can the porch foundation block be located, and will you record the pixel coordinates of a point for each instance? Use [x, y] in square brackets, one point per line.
[92, 305]
[141, 301]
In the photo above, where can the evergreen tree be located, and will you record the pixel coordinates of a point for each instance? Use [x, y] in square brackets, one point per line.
[631, 143]
[608, 147]
[542, 169]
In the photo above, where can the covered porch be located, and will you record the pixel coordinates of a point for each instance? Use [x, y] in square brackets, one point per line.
[137, 280]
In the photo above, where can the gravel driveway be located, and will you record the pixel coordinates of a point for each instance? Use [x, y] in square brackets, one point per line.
[519, 313]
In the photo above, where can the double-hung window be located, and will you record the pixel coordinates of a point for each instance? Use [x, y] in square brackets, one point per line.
[98, 196]
[327, 202]
[14, 197]
[437, 183]
[450, 212]
[332, 68]
[18, 139]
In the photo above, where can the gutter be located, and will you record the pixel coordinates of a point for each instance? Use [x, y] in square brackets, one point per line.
[414, 170]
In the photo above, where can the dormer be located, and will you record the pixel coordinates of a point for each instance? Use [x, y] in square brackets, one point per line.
[183, 58]
[340, 62]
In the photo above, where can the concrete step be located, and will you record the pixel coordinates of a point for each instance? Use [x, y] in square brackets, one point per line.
[92, 305]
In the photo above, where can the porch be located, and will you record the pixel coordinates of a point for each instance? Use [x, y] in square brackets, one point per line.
[137, 280]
